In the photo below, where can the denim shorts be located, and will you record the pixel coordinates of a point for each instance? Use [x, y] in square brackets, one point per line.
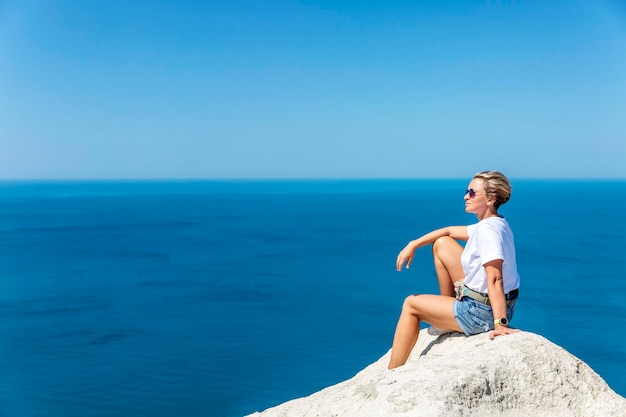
[474, 317]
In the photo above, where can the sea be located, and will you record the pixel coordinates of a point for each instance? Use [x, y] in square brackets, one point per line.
[222, 298]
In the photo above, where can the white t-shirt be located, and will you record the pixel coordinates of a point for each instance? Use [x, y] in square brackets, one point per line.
[489, 239]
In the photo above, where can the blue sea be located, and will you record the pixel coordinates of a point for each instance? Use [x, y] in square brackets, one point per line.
[221, 298]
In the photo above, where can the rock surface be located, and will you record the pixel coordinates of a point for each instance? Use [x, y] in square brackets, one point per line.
[522, 374]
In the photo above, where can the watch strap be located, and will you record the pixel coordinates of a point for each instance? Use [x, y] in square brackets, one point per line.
[503, 322]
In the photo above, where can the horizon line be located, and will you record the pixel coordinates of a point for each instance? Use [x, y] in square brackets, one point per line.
[293, 179]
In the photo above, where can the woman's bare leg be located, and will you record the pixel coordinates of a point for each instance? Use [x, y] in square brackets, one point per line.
[434, 309]
[447, 256]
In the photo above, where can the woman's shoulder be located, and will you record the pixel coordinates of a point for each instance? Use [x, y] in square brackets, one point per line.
[494, 223]
[494, 220]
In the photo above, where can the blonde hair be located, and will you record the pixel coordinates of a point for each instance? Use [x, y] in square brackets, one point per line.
[496, 183]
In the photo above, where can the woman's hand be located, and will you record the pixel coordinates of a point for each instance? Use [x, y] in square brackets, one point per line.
[501, 331]
[406, 256]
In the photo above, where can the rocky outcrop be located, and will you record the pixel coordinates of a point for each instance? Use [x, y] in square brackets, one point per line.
[522, 374]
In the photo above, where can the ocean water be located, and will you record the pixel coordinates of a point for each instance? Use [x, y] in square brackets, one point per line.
[221, 298]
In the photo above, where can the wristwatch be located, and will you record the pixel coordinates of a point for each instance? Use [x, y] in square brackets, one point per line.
[503, 321]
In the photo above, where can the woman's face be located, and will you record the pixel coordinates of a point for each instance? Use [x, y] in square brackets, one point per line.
[476, 198]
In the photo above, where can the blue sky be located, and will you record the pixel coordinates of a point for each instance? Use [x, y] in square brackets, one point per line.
[312, 89]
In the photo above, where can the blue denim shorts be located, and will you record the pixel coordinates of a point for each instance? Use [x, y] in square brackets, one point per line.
[474, 317]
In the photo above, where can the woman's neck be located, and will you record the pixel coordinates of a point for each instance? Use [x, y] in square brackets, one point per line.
[486, 215]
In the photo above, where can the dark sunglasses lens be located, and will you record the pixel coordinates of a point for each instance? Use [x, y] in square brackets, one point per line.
[471, 192]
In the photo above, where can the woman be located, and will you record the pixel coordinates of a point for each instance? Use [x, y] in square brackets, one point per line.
[478, 284]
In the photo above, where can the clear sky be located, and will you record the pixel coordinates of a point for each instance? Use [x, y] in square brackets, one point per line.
[312, 89]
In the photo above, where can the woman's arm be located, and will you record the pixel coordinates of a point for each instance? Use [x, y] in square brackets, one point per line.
[495, 288]
[406, 254]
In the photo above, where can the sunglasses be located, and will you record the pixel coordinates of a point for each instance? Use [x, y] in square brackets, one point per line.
[472, 193]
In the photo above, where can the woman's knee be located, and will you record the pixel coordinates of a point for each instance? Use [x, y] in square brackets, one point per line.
[447, 253]
[443, 243]
[410, 304]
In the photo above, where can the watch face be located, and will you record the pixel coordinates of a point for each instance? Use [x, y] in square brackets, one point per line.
[504, 321]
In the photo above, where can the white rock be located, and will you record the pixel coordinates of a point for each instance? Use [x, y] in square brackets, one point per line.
[522, 374]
